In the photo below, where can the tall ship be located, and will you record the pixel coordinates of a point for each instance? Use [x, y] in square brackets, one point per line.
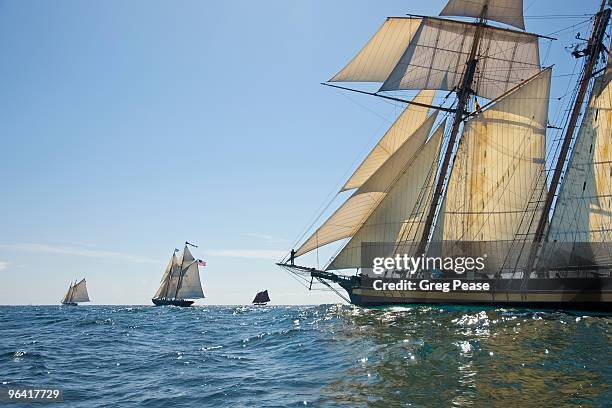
[77, 293]
[472, 168]
[180, 284]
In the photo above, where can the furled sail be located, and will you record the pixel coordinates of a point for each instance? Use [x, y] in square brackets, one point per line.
[438, 53]
[584, 208]
[406, 124]
[398, 215]
[345, 221]
[497, 183]
[503, 11]
[380, 55]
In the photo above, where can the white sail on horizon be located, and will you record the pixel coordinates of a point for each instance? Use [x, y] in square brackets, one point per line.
[77, 293]
[191, 286]
[181, 278]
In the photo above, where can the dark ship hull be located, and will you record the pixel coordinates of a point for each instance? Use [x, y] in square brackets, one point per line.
[69, 304]
[593, 294]
[172, 302]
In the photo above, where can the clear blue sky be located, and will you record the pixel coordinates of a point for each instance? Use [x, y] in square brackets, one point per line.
[128, 127]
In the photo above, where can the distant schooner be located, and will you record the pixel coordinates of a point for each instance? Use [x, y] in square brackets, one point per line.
[180, 282]
[261, 298]
[475, 180]
[77, 293]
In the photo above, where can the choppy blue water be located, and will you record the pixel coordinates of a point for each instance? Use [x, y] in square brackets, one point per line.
[310, 355]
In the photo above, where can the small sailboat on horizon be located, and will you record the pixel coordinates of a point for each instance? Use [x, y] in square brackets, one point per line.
[261, 298]
[180, 284]
[77, 293]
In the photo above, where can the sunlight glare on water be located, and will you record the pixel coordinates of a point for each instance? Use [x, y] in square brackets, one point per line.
[326, 355]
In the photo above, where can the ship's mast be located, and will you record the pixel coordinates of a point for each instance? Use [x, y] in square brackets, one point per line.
[594, 48]
[180, 271]
[71, 291]
[169, 277]
[463, 95]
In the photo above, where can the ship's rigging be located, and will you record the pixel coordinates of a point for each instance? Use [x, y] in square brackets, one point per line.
[180, 280]
[470, 180]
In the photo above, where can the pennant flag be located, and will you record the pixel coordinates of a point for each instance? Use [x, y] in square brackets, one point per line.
[201, 262]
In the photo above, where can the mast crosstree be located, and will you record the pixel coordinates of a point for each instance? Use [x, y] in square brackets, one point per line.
[463, 96]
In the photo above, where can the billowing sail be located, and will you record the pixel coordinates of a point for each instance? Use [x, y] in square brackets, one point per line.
[438, 53]
[380, 55]
[406, 124]
[497, 183]
[503, 11]
[190, 286]
[584, 208]
[79, 292]
[181, 278]
[351, 215]
[398, 216]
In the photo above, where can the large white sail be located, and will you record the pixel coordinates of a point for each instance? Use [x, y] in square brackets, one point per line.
[497, 183]
[438, 53]
[406, 124]
[190, 285]
[398, 216]
[345, 221]
[584, 209]
[379, 56]
[79, 292]
[503, 11]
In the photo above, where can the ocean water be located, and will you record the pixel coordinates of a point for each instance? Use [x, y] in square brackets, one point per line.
[326, 355]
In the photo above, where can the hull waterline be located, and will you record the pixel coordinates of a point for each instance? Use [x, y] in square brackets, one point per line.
[561, 294]
[172, 302]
